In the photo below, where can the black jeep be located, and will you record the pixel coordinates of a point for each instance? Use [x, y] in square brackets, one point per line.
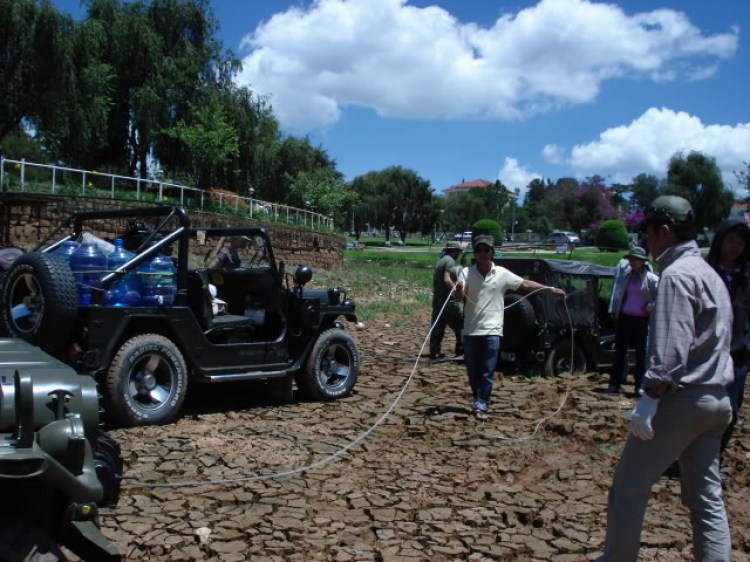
[267, 326]
[540, 337]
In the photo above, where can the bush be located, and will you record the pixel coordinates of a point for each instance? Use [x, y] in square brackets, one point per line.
[488, 226]
[612, 235]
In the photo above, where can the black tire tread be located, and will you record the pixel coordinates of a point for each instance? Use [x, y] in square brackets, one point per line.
[305, 379]
[115, 407]
[60, 296]
[563, 346]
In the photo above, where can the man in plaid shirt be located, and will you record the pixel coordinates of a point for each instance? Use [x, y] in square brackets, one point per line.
[685, 408]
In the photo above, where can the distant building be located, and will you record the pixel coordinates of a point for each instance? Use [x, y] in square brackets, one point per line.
[466, 186]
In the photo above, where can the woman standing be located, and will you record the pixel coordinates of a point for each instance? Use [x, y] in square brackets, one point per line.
[631, 297]
[729, 256]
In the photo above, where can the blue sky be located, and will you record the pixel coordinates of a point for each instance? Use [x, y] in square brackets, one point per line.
[466, 89]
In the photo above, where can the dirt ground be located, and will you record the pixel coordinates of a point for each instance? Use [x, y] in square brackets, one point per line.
[427, 484]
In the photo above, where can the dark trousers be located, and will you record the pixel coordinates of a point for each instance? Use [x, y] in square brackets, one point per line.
[736, 391]
[452, 317]
[632, 331]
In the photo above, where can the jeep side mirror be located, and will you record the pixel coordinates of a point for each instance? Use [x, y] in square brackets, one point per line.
[303, 275]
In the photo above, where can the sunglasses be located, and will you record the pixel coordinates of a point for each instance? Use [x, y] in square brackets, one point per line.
[482, 250]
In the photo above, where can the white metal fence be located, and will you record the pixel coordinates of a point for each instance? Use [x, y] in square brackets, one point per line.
[28, 177]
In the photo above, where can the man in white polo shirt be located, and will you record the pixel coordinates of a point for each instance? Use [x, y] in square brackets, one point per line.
[482, 287]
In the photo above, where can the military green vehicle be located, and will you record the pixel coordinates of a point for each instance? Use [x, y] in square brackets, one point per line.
[56, 466]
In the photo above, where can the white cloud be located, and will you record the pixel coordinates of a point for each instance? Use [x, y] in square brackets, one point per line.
[514, 176]
[404, 61]
[646, 144]
[553, 154]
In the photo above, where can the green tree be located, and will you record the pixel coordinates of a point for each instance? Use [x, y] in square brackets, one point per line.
[697, 178]
[17, 70]
[644, 189]
[534, 215]
[743, 178]
[210, 141]
[365, 209]
[325, 192]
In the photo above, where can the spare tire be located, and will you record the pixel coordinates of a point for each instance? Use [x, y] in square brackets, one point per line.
[40, 301]
[519, 324]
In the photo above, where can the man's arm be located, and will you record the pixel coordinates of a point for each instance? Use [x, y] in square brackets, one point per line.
[528, 285]
[218, 261]
[447, 280]
[460, 285]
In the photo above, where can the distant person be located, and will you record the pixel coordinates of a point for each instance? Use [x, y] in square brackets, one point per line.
[442, 285]
[729, 256]
[482, 286]
[231, 256]
[684, 409]
[633, 295]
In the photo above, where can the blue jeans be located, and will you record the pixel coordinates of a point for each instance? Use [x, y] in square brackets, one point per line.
[480, 355]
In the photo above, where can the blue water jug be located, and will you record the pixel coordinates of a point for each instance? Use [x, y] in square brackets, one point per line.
[89, 264]
[124, 291]
[157, 282]
[66, 250]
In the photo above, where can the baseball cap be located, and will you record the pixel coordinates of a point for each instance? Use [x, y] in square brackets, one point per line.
[453, 246]
[486, 239]
[669, 209]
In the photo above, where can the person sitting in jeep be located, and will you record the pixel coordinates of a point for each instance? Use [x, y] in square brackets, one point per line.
[231, 256]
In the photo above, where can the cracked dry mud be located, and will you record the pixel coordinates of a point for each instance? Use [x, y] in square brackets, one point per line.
[425, 485]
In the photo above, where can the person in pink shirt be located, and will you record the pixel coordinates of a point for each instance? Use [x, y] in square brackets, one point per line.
[632, 297]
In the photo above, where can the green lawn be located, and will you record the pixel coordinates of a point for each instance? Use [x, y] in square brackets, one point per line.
[428, 258]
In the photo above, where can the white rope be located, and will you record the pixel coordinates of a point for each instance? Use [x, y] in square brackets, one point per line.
[355, 441]
[324, 460]
[480, 427]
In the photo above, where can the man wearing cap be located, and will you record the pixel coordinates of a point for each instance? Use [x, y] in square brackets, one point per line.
[685, 408]
[482, 287]
[230, 257]
[451, 315]
[632, 298]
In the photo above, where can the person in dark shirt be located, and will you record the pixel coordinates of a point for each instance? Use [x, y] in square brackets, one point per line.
[452, 315]
[231, 256]
[730, 257]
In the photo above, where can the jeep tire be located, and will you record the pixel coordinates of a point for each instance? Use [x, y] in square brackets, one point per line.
[40, 301]
[558, 359]
[332, 369]
[146, 383]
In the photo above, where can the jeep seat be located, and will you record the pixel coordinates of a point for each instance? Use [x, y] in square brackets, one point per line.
[199, 301]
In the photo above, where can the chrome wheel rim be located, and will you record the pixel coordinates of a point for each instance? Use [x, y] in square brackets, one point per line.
[151, 381]
[335, 367]
[26, 303]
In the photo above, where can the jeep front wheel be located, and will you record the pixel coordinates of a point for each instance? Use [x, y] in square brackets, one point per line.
[146, 383]
[559, 358]
[332, 368]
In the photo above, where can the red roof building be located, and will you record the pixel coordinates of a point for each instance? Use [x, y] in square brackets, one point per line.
[466, 186]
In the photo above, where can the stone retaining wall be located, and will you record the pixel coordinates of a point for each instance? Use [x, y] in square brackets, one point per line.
[30, 223]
